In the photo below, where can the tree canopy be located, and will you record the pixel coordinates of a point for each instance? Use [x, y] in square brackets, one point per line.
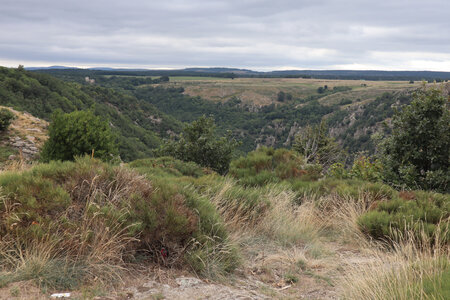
[417, 152]
[199, 143]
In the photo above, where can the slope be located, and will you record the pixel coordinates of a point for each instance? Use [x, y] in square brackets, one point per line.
[138, 124]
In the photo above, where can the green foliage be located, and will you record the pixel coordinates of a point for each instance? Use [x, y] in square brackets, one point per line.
[200, 144]
[137, 123]
[363, 168]
[6, 117]
[418, 211]
[168, 166]
[267, 165]
[76, 134]
[281, 96]
[315, 144]
[74, 206]
[438, 286]
[417, 153]
[357, 137]
[245, 123]
[345, 101]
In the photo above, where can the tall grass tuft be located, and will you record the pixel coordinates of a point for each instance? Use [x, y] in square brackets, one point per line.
[412, 267]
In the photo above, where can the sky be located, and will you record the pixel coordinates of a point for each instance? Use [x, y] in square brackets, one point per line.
[254, 34]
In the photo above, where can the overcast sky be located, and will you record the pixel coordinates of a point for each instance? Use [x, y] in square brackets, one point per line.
[255, 34]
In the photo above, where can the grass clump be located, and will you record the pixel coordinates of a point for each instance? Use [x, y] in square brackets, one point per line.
[407, 271]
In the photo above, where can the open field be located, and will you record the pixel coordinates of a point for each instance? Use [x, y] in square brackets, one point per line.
[263, 91]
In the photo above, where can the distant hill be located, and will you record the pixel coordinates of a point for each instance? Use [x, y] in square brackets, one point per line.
[225, 72]
[138, 124]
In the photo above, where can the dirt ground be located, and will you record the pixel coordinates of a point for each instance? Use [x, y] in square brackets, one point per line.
[269, 272]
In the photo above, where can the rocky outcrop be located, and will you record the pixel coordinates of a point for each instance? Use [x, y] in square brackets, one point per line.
[26, 135]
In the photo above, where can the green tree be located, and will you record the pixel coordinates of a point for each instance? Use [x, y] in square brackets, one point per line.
[280, 96]
[79, 133]
[417, 152]
[6, 117]
[199, 143]
[315, 144]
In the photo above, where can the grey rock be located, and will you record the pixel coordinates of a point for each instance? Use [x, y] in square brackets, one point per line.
[19, 144]
[185, 282]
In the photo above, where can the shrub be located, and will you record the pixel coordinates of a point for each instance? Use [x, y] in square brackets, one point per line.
[267, 165]
[97, 216]
[200, 144]
[76, 134]
[168, 166]
[363, 168]
[416, 211]
[6, 117]
[315, 144]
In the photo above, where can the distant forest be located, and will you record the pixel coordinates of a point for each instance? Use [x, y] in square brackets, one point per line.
[233, 73]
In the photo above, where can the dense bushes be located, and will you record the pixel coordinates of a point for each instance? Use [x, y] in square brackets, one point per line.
[267, 165]
[77, 134]
[389, 211]
[90, 213]
[418, 211]
[363, 168]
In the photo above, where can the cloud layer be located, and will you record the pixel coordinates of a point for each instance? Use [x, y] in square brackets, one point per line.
[256, 34]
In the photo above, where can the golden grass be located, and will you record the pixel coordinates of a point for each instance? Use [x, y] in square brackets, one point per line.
[263, 91]
[400, 272]
[277, 217]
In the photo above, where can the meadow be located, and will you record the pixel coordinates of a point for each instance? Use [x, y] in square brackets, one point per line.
[264, 91]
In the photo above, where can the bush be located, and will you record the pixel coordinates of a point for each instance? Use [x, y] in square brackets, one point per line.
[92, 214]
[6, 117]
[267, 165]
[198, 143]
[417, 211]
[363, 168]
[168, 166]
[76, 134]
[315, 144]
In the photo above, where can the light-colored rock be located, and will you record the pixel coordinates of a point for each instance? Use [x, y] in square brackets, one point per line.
[19, 144]
[185, 282]
[34, 129]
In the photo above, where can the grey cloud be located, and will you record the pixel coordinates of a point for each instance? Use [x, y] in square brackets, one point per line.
[240, 33]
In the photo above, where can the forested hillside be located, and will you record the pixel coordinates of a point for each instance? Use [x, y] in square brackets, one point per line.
[355, 110]
[138, 124]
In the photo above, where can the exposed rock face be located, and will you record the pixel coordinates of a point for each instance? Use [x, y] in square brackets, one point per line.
[26, 134]
[27, 147]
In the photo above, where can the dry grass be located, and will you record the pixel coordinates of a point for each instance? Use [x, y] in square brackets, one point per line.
[401, 272]
[275, 216]
[306, 243]
[263, 91]
[27, 125]
[90, 247]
